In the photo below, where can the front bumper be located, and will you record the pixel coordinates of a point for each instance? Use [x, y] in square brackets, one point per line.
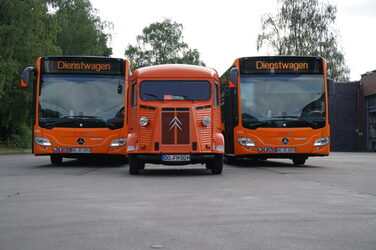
[157, 159]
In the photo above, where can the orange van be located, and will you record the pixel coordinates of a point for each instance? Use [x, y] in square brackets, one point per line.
[174, 117]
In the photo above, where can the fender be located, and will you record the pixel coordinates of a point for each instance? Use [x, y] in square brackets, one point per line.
[131, 142]
[219, 142]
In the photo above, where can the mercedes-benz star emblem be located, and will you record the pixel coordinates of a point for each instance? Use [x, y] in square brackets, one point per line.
[285, 141]
[175, 123]
[80, 141]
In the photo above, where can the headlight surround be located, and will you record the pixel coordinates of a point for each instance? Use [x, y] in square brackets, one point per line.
[41, 141]
[118, 142]
[144, 121]
[206, 121]
[247, 142]
[322, 141]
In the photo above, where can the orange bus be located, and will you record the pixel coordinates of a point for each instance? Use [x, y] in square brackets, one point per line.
[174, 117]
[275, 107]
[78, 106]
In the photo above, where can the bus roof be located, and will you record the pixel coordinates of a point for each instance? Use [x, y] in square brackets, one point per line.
[82, 57]
[175, 71]
[277, 57]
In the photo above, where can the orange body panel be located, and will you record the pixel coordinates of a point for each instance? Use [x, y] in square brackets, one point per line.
[142, 139]
[268, 139]
[62, 139]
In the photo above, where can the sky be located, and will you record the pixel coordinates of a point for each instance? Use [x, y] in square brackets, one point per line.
[225, 30]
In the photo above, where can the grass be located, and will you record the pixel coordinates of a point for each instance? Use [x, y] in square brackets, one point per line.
[4, 150]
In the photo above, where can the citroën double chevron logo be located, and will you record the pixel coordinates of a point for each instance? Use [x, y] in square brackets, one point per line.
[175, 122]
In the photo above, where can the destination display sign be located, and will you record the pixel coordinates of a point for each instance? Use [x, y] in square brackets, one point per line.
[88, 65]
[281, 65]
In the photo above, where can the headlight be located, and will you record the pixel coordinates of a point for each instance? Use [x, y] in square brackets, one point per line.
[118, 142]
[322, 141]
[144, 121]
[206, 121]
[244, 141]
[42, 141]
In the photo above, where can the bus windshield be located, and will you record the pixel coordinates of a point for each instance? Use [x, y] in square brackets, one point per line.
[81, 101]
[175, 90]
[282, 101]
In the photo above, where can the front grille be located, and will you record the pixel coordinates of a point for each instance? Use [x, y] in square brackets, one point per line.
[176, 126]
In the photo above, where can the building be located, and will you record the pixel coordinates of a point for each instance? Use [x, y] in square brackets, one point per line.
[367, 110]
[352, 114]
[343, 116]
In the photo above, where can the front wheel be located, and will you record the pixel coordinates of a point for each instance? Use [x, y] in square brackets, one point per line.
[299, 160]
[216, 165]
[230, 160]
[133, 165]
[56, 159]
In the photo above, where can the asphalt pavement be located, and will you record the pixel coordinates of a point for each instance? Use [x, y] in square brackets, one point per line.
[328, 204]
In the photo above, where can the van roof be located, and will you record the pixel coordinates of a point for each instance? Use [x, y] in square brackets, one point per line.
[175, 70]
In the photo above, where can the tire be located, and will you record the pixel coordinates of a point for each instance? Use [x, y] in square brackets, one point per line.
[299, 160]
[133, 165]
[216, 165]
[125, 160]
[56, 160]
[229, 159]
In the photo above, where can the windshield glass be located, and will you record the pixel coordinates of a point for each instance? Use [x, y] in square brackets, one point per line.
[282, 101]
[175, 90]
[81, 101]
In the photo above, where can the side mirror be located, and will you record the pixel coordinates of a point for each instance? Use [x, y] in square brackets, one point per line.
[119, 88]
[25, 80]
[233, 77]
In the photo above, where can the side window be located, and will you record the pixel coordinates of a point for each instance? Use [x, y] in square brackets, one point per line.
[216, 95]
[134, 95]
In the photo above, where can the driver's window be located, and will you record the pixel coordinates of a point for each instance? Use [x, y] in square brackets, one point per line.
[134, 95]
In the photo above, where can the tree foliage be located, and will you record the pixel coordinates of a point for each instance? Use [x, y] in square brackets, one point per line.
[305, 28]
[81, 30]
[161, 43]
[28, 30]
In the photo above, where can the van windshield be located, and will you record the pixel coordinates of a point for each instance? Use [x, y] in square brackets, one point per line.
[175, 90]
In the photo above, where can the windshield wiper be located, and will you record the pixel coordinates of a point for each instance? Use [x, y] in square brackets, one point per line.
[312, 123]
[68, 121]
[81, 116]
[259, 123]
[107, 124]
[152, 95]
[56, 123]
[286, 116]
[297, 118]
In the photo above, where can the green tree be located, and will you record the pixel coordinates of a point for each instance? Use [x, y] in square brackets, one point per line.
[82, 32]
[33, 28]
[161, 43]
[306, 28]
[27, 31]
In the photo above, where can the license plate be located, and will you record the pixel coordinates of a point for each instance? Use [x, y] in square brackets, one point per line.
[176, 157]
[285, 150]
[80, 150]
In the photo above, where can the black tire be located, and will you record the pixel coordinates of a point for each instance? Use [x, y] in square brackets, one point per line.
[141, 165]
[216, 165]
[133, 165]
[56, 160]
[299, 160]
[229, 159]
[125, 160]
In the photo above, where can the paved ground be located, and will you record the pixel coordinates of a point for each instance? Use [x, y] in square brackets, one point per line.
[328, 204]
